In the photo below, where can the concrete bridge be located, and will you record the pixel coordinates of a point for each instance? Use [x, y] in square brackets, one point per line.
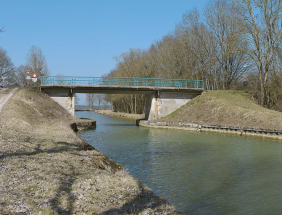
[163, 96]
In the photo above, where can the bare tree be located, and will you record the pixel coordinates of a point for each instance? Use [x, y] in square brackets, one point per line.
[7, 70]
[229, 45]
[36, 61]
[90, 99]
[199, 41]
[99, 99]
[21, 76]
[263, 31]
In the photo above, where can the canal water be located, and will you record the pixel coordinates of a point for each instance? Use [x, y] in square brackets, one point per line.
[199, 173]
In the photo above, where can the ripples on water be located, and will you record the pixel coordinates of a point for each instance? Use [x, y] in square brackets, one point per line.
[199, 173]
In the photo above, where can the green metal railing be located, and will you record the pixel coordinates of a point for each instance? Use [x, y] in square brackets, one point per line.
[121, 81]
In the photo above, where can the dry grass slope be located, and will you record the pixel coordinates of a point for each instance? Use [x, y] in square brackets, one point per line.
[227, 108]
[44, 169]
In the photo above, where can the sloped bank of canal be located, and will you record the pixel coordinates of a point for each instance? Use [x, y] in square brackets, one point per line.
[45, 169]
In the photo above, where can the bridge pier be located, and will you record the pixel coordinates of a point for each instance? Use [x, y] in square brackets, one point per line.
[158, 104]
[161, 104]
[65, 98]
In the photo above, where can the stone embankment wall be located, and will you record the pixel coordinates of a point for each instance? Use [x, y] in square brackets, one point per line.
[276, 134]
[83, 124]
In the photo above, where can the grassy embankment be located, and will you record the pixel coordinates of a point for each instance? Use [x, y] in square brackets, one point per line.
[227, 108]
[45, 170]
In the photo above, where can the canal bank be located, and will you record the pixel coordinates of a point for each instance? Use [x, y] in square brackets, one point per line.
[45, 169]
[230, 109]
[248, 132]
[230, 112]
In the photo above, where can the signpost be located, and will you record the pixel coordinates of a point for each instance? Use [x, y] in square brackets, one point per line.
[33, 77]
[27, 77]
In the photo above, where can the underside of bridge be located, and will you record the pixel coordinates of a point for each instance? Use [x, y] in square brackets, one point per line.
[160, 102]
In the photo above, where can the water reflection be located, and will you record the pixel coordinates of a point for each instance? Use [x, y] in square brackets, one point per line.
[200, 173]
[123, 125]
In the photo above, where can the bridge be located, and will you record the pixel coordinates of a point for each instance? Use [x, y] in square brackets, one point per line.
[163, 96]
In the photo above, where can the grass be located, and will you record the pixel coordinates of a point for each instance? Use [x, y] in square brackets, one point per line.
[227, 108]
[44, 169]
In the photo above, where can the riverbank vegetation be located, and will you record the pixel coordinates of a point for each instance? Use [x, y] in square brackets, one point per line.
[45, 169]
[11, 76]
[231, 44]
[227, 108]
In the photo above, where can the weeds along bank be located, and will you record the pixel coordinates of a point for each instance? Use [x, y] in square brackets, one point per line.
[45, 169]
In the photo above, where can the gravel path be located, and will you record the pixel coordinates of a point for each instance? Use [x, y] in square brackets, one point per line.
[6, 97]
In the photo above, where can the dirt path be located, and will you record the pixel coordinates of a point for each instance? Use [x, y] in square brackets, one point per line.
[6, 97]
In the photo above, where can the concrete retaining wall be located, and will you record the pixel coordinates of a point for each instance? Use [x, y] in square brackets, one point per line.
[64, 98]
[164, 103]
[84, 124]
[276, 134]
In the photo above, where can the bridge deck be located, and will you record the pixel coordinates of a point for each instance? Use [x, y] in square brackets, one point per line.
[121, 82]
[112, 89]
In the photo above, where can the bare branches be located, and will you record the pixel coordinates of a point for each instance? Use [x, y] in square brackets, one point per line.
[225, 24]
[262, 28]
[7, 70]
[36, 61]
[90, 98]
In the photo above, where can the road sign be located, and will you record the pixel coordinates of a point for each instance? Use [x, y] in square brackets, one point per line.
[34, 79]
[28, 77]
[34, 75]
[27, 72]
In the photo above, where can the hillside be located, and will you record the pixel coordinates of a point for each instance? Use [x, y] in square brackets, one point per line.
[227, 108]
[45, 170]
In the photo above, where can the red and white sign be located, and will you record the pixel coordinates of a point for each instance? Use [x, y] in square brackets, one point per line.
[27, 72]
[34, 75]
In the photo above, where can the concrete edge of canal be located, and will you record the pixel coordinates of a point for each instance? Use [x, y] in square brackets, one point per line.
[273, 134]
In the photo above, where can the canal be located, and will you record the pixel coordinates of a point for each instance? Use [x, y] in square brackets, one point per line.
[199, 173]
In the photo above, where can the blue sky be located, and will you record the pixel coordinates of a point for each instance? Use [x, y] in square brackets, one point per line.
[82, 37]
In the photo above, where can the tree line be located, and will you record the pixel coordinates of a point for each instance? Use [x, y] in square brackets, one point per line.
[12, 76]
[231, 44]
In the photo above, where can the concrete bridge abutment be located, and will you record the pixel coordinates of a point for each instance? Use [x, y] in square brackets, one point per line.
[65, 98]
[161, 104]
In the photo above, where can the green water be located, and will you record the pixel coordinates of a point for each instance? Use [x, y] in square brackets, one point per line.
[199, 173]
